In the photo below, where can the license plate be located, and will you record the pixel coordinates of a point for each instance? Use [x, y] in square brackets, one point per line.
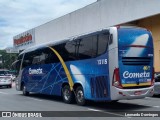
[137, 92]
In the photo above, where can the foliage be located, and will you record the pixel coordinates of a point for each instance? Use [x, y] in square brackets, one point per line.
[7, 59]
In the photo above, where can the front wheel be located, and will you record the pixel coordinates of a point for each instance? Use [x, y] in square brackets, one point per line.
[24, 91]
[113, 101]
[10, 86]
[67, 94]
[80, 96]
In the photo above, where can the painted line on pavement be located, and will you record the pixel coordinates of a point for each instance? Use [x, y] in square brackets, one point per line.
[35, 99]
[4, 93]
[150, 106]
[111, 113]
[156, 106]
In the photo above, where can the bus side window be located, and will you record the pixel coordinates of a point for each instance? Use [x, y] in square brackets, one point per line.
[95, 45]
[84, 48]
[39, 57]
[88, 47]
[50, 56]
[71, 50]
[100, 44]
[62, 51]
[27, 61]
[103, 40]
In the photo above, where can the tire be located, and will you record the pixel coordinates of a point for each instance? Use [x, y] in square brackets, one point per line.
[24, 91]
[10, 86]
[113, 101]
[67, 94]
[80, 96]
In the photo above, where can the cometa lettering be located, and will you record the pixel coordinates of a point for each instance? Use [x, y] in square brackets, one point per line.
[35, 71]
[127, 74]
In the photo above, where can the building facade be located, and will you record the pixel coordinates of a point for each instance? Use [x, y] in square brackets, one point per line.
[94, 17]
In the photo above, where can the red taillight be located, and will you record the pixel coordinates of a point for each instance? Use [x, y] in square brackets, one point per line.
[152, 81]
[116, 78]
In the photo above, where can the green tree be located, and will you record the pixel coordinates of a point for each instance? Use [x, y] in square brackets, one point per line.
[7, 59]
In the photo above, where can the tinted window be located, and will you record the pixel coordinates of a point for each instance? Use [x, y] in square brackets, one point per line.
[78, 49]
[84, 48]
[45, 56]
[95, 45]
[88, 47]
[27, 61]
[50, 57]
[71, 48]
[62, 51]
[103, 40]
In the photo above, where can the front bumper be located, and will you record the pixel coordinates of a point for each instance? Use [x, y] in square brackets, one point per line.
[5, 83]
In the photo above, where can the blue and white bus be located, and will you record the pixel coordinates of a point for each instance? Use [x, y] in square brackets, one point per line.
[107, 65]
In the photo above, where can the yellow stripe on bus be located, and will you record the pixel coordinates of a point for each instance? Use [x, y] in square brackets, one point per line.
[65, 68]
[134, 85]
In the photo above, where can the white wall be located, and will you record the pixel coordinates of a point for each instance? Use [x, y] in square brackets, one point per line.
[96, 16]
[75, 23]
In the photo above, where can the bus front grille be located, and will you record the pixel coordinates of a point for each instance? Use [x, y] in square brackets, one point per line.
[99, 87]
[136, 60]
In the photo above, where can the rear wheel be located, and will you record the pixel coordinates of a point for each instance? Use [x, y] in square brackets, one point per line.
[67, 94]
[80, 96]
[24, 91]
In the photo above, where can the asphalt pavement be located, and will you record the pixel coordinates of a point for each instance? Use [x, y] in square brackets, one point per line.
[13, 101]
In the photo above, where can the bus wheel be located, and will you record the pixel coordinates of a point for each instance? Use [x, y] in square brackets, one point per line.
[113, 101]
[67, 94]
[80, 96]
[10, 86]
[24, 91]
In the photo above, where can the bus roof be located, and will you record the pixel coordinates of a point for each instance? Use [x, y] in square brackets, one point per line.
[59, 41]
[43, 45]
[51, 43]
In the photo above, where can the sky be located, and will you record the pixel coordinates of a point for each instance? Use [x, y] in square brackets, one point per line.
[17, 16]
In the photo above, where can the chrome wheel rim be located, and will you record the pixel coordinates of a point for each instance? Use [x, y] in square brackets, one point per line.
[24, 90]
[80, 96]
[66, 94]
